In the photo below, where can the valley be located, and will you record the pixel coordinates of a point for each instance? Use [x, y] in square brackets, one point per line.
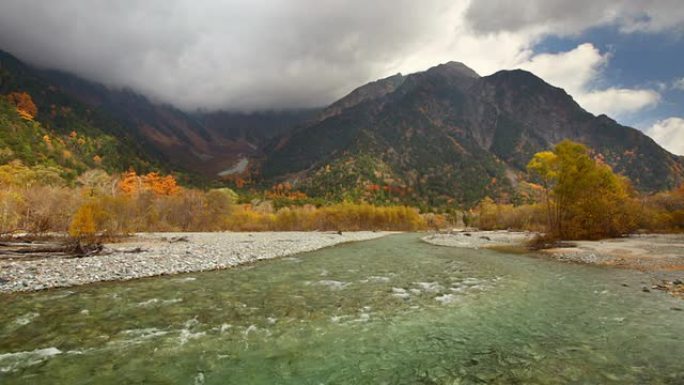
[392, 309]
[387, 192]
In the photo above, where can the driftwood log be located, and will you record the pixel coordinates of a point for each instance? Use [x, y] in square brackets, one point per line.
[40, 250]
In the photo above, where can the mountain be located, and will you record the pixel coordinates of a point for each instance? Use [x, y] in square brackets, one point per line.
[148, 134]
[64, 132]
[448, 135]
[206, 143]
[442, 136]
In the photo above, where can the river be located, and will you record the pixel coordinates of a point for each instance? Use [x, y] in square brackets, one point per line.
[388, 311]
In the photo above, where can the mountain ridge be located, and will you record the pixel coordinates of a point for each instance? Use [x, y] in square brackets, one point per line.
[204, 143]
[432, 138]
[447, 125]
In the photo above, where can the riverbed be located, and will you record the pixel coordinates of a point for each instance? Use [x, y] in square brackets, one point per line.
[154, 254]
[393, 310]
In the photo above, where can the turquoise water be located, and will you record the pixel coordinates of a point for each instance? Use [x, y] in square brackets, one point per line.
[388, 311]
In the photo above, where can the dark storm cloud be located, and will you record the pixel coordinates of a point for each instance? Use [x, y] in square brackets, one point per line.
[215, 54]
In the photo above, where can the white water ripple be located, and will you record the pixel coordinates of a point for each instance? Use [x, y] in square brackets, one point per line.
[26, 318]
[10, 362]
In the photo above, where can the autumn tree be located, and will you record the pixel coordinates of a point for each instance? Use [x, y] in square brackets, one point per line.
[585, 199]
[545, 165]
[95, 182]
[487, 214]
[130, 183]
[24, 104]
[160, 185]
[83, 222]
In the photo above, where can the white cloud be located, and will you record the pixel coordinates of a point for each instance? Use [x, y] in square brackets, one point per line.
[618, 102]
[678, 84]
[294, 53]
[563, 17]
[669, 133]
[227, 53]
[573, 70]
[579, 71]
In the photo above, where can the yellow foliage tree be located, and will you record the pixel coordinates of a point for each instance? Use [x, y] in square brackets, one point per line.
[586, 200]
[83, 222]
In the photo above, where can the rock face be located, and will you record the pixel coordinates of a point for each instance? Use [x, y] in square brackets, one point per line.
[448, 134]
[370, 91]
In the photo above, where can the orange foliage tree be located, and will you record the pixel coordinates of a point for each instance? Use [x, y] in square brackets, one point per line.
[25, 106]
[160, 185]
[131, 183]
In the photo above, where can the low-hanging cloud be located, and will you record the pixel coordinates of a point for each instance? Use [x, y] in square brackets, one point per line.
[212, 54]
[240, 54]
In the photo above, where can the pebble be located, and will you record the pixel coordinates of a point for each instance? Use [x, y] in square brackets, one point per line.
[201, 252]
[484, 238]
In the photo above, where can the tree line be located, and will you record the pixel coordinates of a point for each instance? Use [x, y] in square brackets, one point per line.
[580, 197]
[37, 200]
[575, 196]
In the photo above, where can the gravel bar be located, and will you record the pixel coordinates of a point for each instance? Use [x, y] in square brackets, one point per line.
[478, 239]
[165, 254]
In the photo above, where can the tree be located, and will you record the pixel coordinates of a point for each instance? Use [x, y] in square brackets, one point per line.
[95, 181]
[24, 104]
[545, 166]
[83, 222]
[160, 185]
[130, 183]
[584, 198]
[488, 216]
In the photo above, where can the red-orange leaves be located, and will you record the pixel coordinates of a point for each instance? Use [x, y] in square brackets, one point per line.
[24, 104]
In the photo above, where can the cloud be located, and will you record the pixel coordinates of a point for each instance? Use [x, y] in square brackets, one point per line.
[243, 54]
[573, 70]
[678, 84]
[259, 54]
[669, 133]
[249, 54]
[562, 17]
[619, 102]
[578, 71]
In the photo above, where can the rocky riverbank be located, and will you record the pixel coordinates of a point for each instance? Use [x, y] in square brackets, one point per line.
[148, 255]
[479, 239]
[651, 252]
[642, 252]
[661, 255]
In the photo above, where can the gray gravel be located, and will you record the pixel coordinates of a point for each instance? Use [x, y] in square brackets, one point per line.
[642, 252]
[477, 239]
[159, 256]
[661, 253]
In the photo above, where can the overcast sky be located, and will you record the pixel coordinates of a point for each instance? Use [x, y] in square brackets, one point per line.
[622, 58]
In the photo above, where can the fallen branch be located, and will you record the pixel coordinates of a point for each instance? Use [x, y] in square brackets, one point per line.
[39, 250]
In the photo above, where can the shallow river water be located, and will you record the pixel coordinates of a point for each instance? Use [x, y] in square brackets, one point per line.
[387, 311]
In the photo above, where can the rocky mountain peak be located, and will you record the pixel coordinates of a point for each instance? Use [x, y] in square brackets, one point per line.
[454, 67]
